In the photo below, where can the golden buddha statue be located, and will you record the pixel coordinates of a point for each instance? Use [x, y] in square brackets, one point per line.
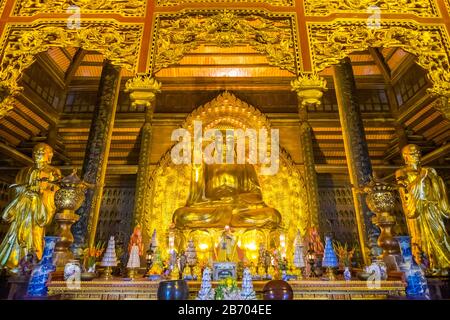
[425, 203]
[31, 209]
[224, 194]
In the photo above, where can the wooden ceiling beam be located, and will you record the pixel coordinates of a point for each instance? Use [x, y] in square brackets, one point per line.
[13, 153]
[21, 126]
[51, 68]
[404, 67]
[413, 105]
[381, 63]
[35, 103]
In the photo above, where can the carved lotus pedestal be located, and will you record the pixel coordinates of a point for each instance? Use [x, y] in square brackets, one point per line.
[381, 200]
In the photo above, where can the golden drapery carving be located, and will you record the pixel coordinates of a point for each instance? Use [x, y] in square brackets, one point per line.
[169, 185]
[421, 8]
[134, 8]
[176, 35]
[119, 44]
[284, 3]
[332, 42]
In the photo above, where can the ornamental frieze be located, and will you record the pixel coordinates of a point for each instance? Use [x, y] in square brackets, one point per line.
[421, 8]
[284, 3]
[132, 8]
[176, 35]
[332, 42]
[21, 43]
[2, 6]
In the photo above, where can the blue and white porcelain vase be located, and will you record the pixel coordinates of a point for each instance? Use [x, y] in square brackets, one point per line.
[416, 283]
[72, 269]
[37, 287]
[347, 274]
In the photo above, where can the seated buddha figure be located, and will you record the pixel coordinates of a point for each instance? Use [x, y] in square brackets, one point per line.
[224, 194]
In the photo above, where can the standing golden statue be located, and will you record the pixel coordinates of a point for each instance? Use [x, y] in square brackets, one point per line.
[31, 209]
[425, 203]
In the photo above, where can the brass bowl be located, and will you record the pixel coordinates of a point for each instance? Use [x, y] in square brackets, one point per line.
[363, 275]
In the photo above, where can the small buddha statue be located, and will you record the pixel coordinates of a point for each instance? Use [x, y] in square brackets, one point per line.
[425, 204]
[31, 209]
[223, 194]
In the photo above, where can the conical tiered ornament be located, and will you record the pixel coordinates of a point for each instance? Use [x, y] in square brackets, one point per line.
[330, 259]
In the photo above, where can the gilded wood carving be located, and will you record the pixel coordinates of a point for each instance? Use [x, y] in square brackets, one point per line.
[283, 3]
[421, 8]
[119, 44]
[330, 43]
[135, 8]
[176, 35]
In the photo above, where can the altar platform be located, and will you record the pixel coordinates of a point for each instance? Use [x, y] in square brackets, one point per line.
[143, 289]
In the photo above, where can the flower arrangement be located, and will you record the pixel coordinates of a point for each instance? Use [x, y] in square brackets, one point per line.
[90, 256]
[158, 265]
[227, 289]
[344, 253]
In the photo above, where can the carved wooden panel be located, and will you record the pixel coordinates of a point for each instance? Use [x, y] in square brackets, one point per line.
[337, 215]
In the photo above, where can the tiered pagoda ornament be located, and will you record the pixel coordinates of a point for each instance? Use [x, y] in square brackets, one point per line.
[109, 259]
[247, 292]
[135, 249]
[330, 259]
[299, 259]
[206, 291]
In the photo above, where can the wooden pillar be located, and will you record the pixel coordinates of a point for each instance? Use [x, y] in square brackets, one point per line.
[309, 88]
[97, 153]
[357, 155]
[143, 89]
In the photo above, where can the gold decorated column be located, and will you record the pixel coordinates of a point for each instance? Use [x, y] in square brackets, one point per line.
[143, 89]
[309, 88]
[97, 153]
[357, 155]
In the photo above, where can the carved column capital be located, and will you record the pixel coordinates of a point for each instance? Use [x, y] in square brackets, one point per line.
[143, 89]
[310, 88]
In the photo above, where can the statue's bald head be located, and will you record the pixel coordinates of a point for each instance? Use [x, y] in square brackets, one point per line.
[42, 153]
[411, 154]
